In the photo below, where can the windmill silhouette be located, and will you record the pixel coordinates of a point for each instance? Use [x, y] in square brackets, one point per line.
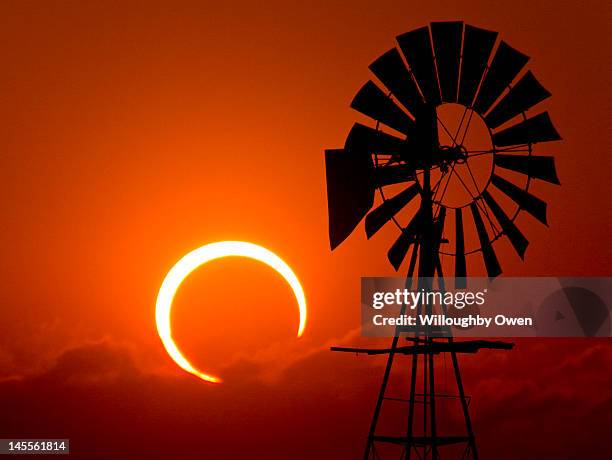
[413, 159]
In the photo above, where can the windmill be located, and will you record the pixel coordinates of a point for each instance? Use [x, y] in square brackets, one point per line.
[414, 160]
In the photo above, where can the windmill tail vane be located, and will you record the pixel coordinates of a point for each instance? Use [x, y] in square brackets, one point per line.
[447, 190]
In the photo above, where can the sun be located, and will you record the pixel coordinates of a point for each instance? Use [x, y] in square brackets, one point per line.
[199, 257]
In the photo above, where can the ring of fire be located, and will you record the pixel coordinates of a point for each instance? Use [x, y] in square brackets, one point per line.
[199, 257]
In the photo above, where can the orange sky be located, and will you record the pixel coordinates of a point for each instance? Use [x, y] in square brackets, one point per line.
[135, 132]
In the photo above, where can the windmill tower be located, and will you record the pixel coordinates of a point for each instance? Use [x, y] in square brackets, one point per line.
[448, 192]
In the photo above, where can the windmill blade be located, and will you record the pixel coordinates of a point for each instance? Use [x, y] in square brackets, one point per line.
[447, 49]
[416, 46]
[373, 102]
[518, 240]
[426, 136]
[388, 175]
[506, 64]
[525, 94]
[412, 263]
[530, 203]
[536, 129]
[439, 227]
[390, 69]
[460, 265]
[366, 139]
[488, 254]
[350, 194]
[540, 167]
[388, 209]
[398, 251]
[477, 46]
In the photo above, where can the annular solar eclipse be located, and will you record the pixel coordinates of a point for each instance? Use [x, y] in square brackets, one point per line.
[198, 257]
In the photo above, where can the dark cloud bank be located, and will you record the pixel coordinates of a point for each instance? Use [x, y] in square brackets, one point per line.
[545, 399]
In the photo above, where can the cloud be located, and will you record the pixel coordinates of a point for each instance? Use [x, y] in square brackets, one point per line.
[545, 399]
[92, 363]
[556, 404]
[269, 364]
[109, 407]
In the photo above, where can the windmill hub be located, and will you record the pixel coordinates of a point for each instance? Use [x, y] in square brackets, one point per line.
[450, 154]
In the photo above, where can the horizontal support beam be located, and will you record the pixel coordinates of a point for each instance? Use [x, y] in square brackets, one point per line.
[468, 346]
[422, 440]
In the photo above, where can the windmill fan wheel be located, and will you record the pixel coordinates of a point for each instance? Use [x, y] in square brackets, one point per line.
[463, 72]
